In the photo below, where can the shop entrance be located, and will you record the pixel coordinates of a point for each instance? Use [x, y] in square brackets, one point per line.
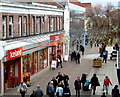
[11, 74]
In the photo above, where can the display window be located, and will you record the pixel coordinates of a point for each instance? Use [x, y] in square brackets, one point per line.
[35, 61]
[45, 57]
[41, 59]
[25, 64]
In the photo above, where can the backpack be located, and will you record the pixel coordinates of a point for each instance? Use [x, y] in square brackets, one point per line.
[23, 88]
[104, 53]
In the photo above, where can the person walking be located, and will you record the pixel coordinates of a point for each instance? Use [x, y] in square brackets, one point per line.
[115, 91]
[78, 58]
[82, 49]
[77, 85]
[59, 77]
[51, 89]
[38, 92]
[59, 90]
[105, 55]
[65, 79]
[94, 83]
[106, 83]
[83, 80]
[59, 59]
[22, 89]
[55, 83]
[66, 91]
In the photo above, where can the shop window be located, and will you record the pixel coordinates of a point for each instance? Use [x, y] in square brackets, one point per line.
[4, 20]
[19, 25]
[40, 59]
[10, 26]
[24, 26]
[37, 25]
[45, 57]
[25, 64]
[35, 62]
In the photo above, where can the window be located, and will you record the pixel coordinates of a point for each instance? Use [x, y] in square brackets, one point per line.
[33, 25]
[43, 24]
[24, 25]
[37, 25]
[60, 23]
[19, 25]
[51, 24]
[4, 19]
[10, 26]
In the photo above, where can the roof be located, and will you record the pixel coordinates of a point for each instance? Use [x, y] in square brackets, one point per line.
[76, 2]
[48, 2]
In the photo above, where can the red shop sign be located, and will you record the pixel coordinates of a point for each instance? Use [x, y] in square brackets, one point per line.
[14, 53]
[57, 38]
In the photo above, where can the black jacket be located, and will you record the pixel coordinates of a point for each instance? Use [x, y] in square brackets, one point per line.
[94, 81]
[77, 84]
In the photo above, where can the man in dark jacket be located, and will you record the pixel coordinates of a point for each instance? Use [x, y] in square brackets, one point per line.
[77, 85]
[115, 91]
[54, 82]
[38, 92]
[78, 58]
[51, 89]
[59, 77]
[83, 80]
[94, 83]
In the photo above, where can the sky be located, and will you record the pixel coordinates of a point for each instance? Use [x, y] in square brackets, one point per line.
[103, 2]
[94, 2]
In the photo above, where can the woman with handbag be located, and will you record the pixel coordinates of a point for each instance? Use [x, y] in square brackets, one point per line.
[66, 91]
[106, 84]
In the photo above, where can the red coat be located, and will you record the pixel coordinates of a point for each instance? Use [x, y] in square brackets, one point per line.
[107, 82]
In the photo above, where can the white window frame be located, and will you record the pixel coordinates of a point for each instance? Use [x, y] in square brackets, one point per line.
[24, 26]
[20, 25]
[60, 23]
[33, 22]
[37, 25]
[52, 24]
[11, 24]
[4, 26]
[43, 24]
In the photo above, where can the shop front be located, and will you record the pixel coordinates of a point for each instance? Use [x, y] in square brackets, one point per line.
[35, 61]
[12, 70]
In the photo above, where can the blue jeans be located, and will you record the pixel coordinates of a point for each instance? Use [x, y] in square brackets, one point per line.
[106, 87]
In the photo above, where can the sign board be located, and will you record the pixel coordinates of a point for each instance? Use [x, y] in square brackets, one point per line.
[14, 53]
[53, 64]
[54, 39]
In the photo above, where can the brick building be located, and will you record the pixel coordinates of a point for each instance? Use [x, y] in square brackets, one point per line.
[33, 35]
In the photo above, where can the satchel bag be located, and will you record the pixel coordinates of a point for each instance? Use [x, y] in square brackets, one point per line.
[98, 84]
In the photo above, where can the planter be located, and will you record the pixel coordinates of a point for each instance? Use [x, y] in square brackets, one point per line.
[97, 63]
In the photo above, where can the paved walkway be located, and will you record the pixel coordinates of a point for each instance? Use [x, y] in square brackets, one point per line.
[74, 70]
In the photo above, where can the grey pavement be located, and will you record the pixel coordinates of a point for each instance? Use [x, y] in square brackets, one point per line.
[74, 70]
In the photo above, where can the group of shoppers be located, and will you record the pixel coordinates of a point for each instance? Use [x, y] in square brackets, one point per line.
[75, 57]
[59, 86]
